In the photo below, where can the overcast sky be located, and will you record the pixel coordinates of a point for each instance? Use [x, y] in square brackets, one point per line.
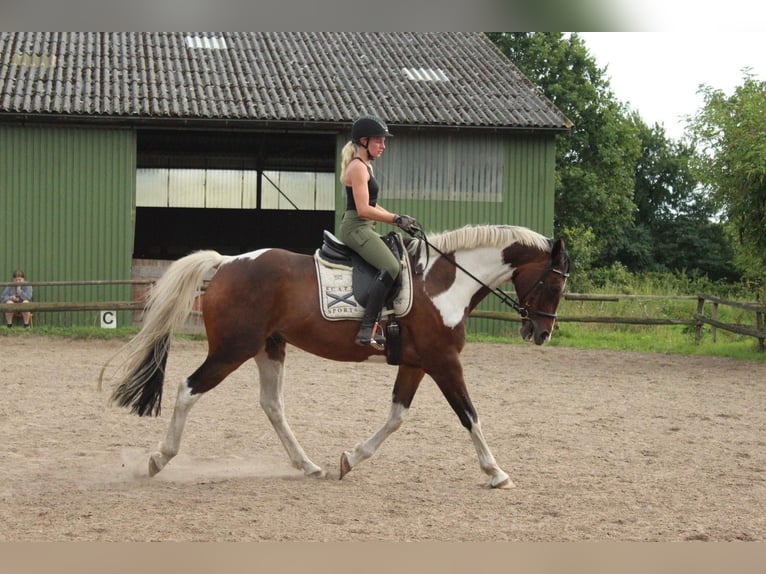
[659, 73]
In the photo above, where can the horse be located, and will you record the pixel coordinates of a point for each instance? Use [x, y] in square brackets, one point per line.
[258, 302]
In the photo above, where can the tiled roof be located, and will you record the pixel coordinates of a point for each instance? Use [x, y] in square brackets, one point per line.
[438, 79]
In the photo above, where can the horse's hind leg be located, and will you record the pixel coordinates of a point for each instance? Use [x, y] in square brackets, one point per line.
[407, 382]
[207, 376]
[168, 448]
[270, 363]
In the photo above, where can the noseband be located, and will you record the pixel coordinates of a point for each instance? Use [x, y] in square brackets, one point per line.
[523, 310]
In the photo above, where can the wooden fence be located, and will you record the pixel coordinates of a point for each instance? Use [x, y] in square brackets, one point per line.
[51, 305]
[698, 320]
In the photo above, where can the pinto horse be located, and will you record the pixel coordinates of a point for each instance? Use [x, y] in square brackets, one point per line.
[256, 303]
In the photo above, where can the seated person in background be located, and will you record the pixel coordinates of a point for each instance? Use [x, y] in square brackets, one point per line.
[17, 294]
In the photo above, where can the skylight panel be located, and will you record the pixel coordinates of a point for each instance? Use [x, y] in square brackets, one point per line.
[426, 74]
[206, 43]
[34, 60]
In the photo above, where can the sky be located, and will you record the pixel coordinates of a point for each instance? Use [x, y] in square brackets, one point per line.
[659, 73]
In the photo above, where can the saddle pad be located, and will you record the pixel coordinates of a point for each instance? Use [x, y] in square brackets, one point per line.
[336, 294]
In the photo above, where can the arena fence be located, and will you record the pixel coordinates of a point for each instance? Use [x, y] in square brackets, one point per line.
[707, 313]
[707, 309]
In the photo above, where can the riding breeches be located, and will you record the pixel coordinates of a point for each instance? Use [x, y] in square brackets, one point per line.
[360, 235]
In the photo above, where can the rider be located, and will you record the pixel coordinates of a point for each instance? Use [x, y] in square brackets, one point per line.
[357, 229]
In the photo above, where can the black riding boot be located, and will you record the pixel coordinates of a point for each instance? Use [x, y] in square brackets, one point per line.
[370, 332]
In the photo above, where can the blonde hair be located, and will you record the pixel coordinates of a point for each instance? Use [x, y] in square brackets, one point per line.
[346, 155]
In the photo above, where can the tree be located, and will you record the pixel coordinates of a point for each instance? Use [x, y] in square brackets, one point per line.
[729, 134]
[625, 193]
[673, 225]
[595, 164]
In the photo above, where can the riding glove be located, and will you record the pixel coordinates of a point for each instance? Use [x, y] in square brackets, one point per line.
[405, 222]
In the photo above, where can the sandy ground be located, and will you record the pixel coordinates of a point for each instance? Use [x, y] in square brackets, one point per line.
[602, 446]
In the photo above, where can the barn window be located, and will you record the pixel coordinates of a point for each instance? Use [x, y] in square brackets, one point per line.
[234, 189]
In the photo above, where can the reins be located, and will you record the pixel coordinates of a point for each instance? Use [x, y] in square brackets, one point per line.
[522, 310]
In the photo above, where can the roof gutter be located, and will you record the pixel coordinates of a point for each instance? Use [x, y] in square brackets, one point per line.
[174, 123]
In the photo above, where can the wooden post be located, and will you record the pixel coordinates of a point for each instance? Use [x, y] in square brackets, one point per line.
[700, 308]
[713, 330]
[760, 327]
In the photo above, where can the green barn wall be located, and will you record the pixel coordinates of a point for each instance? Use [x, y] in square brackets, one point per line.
[491, 179]
[68, 211]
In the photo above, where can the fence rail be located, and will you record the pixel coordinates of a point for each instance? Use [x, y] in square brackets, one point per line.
[52, 305]
[61, 306]
[697, 320]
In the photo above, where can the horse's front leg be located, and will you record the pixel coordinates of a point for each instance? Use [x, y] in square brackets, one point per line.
[407, 381]
[271, 370]
[449, 377]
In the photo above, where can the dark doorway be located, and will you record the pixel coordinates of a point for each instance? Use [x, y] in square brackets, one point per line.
[171, 232]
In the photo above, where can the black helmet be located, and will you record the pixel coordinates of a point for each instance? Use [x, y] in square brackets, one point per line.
[369, 127]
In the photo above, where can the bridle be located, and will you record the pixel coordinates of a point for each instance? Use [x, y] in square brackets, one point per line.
[525, 311]
[522, 309]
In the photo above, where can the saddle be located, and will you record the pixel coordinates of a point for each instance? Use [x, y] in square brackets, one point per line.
[335, 252]
[344, 280]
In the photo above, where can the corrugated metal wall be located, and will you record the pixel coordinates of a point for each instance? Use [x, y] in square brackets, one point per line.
[68, 211]
[447, 181]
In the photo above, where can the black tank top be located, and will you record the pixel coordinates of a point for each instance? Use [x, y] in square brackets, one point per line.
[372, 189]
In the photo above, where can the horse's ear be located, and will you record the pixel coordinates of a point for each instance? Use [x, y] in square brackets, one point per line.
[559, 255]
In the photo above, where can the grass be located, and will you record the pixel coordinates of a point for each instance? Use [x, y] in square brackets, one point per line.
[678, 340]
[657, 339]
[86, 333]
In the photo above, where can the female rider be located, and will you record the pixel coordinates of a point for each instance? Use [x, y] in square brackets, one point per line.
[357, 229]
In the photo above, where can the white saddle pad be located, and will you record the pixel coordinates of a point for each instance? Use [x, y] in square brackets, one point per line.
[336, 294]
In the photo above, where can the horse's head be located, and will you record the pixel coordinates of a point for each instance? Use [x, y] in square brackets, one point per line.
[540, 286]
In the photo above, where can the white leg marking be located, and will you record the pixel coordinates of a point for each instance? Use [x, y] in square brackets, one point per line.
[272, 402]
[169, 447]
[498, 477]
[365, 450]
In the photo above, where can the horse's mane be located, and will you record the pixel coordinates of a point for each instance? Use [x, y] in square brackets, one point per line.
[472, 236]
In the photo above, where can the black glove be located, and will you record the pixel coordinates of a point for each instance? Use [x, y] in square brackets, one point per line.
[405, 222]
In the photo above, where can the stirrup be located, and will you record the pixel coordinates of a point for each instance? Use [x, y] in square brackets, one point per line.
[377, 340]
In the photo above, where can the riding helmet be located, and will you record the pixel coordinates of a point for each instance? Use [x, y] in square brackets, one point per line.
[369, 127]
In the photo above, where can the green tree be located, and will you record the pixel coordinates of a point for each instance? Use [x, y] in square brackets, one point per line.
[673, 225]
[595, 164]
[728, 132]
[626, 195]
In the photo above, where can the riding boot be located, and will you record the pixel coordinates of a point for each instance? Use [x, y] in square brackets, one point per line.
[370, 332]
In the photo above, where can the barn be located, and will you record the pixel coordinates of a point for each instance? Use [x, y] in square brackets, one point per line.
[120, 152]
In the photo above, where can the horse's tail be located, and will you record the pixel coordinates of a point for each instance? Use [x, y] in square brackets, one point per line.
[169, 304]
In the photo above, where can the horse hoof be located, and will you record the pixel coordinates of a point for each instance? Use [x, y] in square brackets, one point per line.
[318, 473]
[504, 484]
[345, 466]
[154, 468]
